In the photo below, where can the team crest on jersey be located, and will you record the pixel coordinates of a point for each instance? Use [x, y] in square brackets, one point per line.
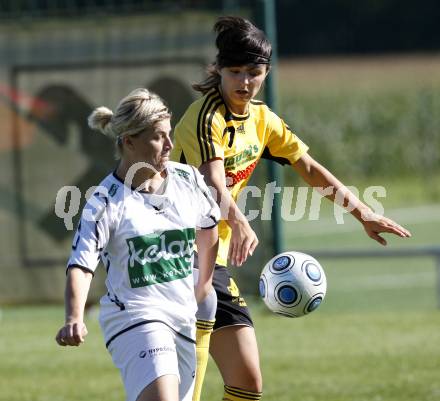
[182, 173]
[113, 189]
[160, 258]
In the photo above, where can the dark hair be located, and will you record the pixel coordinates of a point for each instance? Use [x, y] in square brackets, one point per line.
[239, 42]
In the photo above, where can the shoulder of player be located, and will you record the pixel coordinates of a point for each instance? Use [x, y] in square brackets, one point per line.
[258, 103]
[110, 191]
[209, 108]
[101, 199]
[205, 112]
[258, 107]
[263, 112]
[182, 172]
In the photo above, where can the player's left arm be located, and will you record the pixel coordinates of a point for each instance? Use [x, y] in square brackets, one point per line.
[207, 247]
[206, 236]
[318, 177]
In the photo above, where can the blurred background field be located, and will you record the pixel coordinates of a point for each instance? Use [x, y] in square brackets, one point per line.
[359, 83]
[368, 116]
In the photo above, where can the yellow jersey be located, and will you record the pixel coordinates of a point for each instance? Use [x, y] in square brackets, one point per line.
[209, 130]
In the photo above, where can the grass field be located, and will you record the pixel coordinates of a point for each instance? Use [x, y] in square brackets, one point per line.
[375, 338]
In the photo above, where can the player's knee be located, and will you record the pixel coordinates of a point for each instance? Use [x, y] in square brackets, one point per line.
[208, 307]
[255, 383]
[249, 381]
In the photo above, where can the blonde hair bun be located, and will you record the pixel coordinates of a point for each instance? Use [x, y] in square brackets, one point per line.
[99, 120]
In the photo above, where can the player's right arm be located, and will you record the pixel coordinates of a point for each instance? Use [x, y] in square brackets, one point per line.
[92, 235]
[243, 238]
[77, 288]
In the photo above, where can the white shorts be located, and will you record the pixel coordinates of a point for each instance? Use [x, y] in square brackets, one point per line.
[152, 350]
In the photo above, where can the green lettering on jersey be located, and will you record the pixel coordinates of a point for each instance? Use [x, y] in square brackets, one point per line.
[161, 257]
[247, 155]
[182, 173]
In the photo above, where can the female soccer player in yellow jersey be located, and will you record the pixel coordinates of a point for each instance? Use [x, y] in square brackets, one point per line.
[224, 134]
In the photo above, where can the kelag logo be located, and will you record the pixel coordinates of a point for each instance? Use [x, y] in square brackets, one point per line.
[160, 258]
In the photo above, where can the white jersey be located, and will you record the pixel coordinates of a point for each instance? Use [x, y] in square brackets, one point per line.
[145, 242]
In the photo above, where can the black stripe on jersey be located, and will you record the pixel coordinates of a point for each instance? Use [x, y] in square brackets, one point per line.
[239, 118]
[107, 261]
[78, 230]
[117, 178]
[209, 227]
[182, 158]
[141, 324]
[231, 131]
[211, 98]
[83, 268]
[229, 116]
[99, 195]
[267, 155]
[97, 237]
[200, 117]
[117, 302]
[209, 132]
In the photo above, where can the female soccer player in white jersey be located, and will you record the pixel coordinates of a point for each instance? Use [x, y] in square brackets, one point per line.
[142, 223]
[225, 133]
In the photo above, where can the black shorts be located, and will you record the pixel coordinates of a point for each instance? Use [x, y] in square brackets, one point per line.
[231, 307]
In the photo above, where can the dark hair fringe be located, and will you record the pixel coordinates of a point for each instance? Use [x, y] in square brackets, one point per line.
[212, 81]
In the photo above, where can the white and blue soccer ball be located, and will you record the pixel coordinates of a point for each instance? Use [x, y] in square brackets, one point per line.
[293, 284]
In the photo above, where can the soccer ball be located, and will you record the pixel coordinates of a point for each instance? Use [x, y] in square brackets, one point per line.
[292, 284]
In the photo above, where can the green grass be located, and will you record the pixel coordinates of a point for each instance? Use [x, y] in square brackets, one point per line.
[34, 368]
[374, 338]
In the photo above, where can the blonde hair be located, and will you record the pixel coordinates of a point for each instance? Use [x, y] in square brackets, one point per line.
[135, 113]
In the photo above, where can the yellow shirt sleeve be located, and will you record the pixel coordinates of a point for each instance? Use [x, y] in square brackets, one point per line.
[283, 145]
[199, 138]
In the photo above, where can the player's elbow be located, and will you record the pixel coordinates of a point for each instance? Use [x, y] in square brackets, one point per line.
[202, 291]
[310, 170]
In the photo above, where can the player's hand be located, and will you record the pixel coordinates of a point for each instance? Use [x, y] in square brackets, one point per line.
[243, 242]
[375, 224]
[71, 334]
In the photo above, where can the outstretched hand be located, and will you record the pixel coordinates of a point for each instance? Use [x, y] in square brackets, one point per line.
[243, 243]
[375, 224]
[71, 334]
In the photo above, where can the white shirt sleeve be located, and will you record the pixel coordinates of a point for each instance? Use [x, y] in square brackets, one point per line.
[92, 234]
[209, 212]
